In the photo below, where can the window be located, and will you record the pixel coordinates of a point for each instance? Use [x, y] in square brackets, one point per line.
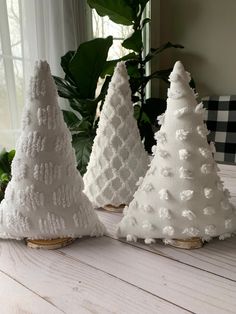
[104, 27]
[11, 72]
[31, 30]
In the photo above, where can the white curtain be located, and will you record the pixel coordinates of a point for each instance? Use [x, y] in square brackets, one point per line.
[46, 29]
[50, 29]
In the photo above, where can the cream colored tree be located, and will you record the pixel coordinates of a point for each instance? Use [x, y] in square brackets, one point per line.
[118, 157]
[45, 199]
[181, 196]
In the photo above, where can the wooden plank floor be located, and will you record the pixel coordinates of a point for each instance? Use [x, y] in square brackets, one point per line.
[107, 275]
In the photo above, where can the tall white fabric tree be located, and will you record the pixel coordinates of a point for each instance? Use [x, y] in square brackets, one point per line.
[118, 157]
[45, 199]
[181, 196]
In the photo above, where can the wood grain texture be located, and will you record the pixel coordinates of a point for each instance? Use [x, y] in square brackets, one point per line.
[227, 170]
[228, 175]
[16, 299]
[217, 257]
[74, 287]
[106, 275]
[189, 287]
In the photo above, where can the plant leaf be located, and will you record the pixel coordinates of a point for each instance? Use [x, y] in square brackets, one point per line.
[87, 64]
[5, 170]
[161, 74]
[110, 65]
[88, 108]
[82, 144]
[134, 42]
[133, 68]
[75, 105]
[152, 108]
[144, 117]
[11, 155]
[85, 107]
[5, 165]
[65, 61]
[118, 11]
[155, 51]
[3, 185]
[70, 119]
[65, 89]
[101, 97]
[145, 21]
[135, 83]
[135, 99]
[5, 177]
[147, 133]
[104, 89]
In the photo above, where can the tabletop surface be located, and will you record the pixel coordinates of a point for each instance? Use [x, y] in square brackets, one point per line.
[107, 275]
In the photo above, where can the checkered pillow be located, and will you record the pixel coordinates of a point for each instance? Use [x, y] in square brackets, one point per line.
[221, 121]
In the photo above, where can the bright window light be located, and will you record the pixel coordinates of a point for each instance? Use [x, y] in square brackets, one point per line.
[104, 27]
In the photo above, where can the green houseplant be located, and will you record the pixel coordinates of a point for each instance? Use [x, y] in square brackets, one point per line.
[5, 170]
[84, 67]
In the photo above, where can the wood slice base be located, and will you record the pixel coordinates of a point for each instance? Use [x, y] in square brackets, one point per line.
[52, 244]
[188, 244]
[116, 209]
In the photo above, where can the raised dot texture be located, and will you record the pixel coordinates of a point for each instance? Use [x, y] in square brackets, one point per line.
[168, 230]
[163, 194]
[182, 134]
[186, 195]
[187, 213]
[184, 154]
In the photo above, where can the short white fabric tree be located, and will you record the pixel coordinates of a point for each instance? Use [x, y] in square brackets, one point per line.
[181, 196]
[45, 199]
[118, 157]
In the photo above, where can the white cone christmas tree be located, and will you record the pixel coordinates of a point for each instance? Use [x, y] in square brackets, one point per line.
[44, 199]
[181, 196]
[118, 157]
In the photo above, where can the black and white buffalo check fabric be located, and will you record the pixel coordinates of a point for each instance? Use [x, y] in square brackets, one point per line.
[221, 121]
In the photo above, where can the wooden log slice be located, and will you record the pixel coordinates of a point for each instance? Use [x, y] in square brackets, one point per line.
[116, 209]
[52, 244]
[187, 244]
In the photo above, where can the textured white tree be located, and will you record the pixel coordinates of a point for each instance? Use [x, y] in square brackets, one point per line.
[181, 195]
[45, 199]
[118, 157]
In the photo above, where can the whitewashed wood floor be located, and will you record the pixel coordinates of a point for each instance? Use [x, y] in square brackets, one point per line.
[106, 275]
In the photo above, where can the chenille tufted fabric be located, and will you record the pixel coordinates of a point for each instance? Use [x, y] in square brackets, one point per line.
[44, 199]
[181, 195]
[118, 157]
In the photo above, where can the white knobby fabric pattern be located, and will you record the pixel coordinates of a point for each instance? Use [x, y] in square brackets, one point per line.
[45, 198]
[187, 196]
[118, 158]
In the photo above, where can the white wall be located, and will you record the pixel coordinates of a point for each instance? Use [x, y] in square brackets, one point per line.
[207, 29]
